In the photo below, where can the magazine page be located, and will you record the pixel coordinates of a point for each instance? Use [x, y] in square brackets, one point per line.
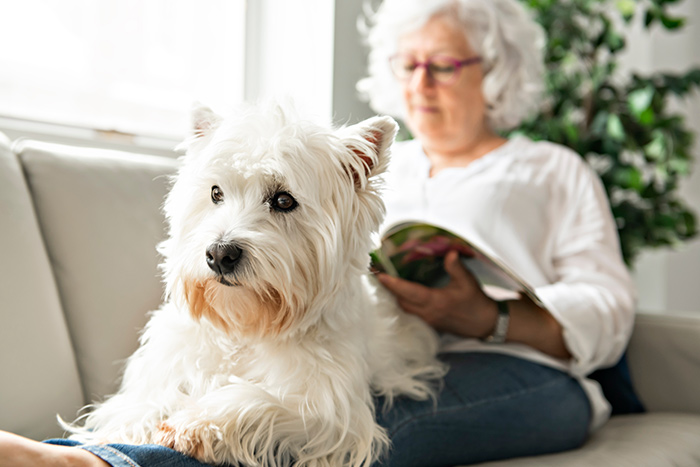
[416, 251]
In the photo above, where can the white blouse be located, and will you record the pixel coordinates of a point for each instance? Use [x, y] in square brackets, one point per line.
[541, 210]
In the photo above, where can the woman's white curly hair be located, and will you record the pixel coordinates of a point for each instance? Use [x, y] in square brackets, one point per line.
[502, 32]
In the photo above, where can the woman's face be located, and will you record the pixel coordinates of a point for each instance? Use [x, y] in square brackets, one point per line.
[447, 115]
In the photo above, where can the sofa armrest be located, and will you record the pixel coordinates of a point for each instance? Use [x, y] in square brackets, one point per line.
[664, 360]
[38, 374]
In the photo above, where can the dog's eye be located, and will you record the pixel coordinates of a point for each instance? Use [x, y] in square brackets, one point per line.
[283, 201]
[217, 196]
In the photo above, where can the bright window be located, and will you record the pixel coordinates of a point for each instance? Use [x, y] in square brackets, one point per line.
[134, 66]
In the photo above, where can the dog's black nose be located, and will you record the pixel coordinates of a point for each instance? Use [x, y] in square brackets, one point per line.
[222, 257]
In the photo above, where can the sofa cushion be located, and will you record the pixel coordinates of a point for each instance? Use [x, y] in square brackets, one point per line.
[38, 374]
[642, 440]
[664, 357]
[99, 213]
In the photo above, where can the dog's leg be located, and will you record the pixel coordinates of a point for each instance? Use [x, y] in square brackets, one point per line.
[155, 382]
[239, 423]
[242, 423]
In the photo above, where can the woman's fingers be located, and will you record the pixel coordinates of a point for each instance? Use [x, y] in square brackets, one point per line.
[406, 291]
[457, 271]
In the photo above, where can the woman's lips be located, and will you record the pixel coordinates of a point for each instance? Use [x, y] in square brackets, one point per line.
[425, 108]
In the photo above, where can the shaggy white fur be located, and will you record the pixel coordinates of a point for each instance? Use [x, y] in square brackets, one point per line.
[273, 340]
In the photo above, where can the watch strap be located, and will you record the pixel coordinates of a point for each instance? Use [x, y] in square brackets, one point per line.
[498, 336]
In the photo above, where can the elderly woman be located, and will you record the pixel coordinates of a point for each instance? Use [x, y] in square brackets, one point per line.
[457, 72]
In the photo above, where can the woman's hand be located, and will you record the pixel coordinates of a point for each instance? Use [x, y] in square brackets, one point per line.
[461, 307]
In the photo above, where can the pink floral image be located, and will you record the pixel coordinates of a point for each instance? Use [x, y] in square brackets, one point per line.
[434, 246]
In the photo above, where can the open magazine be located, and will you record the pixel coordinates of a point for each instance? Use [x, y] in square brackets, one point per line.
[416, 251]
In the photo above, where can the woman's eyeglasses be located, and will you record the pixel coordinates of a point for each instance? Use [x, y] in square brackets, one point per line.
[442, 69]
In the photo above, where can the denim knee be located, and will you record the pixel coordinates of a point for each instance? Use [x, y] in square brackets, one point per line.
[522, 416]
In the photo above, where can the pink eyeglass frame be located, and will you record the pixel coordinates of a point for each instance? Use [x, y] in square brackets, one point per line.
[458, 64]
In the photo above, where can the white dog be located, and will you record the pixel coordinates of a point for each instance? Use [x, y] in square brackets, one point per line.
[273, 342]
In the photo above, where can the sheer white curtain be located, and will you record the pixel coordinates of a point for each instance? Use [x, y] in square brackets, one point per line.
[132, 66]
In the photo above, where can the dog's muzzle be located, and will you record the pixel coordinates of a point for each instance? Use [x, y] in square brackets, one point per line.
[222, 258]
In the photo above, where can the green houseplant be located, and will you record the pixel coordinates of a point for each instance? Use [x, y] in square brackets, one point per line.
[623, 127]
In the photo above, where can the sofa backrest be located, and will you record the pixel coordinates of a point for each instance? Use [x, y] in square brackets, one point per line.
[99, 214]
[664, 357]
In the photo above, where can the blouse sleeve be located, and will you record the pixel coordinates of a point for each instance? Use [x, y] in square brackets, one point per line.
[592, 295]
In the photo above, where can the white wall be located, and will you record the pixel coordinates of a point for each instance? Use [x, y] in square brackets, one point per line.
[667, 280]
[350, 64]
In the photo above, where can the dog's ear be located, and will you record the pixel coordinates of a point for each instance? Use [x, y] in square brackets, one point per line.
[203, 120]
[370, 141]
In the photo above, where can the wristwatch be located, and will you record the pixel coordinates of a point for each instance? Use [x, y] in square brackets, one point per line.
[498, 336]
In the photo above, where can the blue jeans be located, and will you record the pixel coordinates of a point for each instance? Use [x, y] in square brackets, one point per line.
[491, 407]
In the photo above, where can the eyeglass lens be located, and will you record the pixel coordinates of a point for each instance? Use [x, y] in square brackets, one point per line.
[441, 69]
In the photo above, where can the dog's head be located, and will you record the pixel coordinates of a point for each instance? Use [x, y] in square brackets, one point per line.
[270, 215]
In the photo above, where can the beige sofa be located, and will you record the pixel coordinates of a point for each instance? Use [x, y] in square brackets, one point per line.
[78, 273]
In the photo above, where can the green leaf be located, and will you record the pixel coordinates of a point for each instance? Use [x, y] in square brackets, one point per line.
[640, 100]
[614, 41]
[689, 224]
[630, 178]
[614, 128]
[599, 123]
[626, 8]
[672, 23]
[649, 17]
[678, 85]
[656, 150]
[692, 78]
[647, 117]
[680, 166]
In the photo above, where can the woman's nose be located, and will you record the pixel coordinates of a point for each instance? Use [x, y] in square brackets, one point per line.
[420, 79]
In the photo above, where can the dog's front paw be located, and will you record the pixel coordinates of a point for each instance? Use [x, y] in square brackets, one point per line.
[196, 440]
